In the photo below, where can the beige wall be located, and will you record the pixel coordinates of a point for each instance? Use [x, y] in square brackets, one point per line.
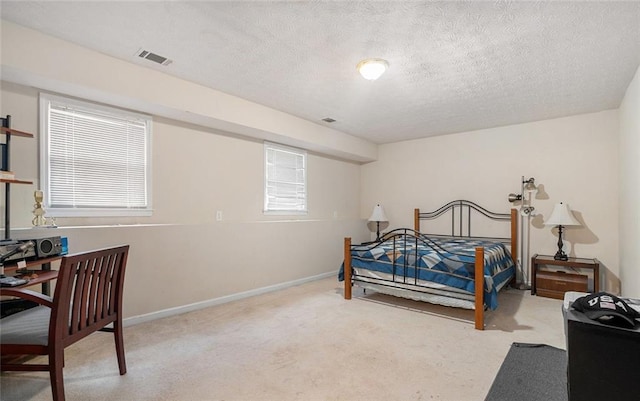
[179, 267]
[630, 190]
[181, 256]
[573, 159]
[196, 172]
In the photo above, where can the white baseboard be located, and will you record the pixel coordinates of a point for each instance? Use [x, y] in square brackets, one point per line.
[130, 321]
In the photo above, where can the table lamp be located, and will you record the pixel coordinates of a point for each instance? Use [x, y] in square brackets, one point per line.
[378, 217]
[561, 216]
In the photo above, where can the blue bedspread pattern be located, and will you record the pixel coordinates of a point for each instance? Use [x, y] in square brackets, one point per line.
[448, 261]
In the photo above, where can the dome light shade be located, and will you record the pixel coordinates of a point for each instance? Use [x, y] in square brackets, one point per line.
[372, 68]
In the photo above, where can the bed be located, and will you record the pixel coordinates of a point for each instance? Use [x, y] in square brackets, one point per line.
[439, 267]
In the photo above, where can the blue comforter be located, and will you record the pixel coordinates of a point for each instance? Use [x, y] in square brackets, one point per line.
[445, 260]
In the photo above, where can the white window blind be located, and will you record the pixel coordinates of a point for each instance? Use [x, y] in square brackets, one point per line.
[95, 159]
[285, 179]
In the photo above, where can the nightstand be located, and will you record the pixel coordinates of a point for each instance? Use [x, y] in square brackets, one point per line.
[554, 283]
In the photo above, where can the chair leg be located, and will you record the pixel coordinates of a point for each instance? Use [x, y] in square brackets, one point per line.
[117, 333]
[56, 363]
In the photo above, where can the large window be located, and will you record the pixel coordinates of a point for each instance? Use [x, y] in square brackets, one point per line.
[285, 179]
[94, 159]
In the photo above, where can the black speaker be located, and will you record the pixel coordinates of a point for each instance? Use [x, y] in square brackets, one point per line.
[46, 247]
[603, 360]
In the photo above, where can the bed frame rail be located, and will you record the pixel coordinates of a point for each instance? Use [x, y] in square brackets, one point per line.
[478, 285]
[458, 209]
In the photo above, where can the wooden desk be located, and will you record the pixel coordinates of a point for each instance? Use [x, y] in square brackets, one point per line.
[45, 273]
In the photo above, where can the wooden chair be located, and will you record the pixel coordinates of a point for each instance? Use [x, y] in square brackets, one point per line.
[88, 297]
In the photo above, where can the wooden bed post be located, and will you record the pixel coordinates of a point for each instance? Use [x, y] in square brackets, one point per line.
[347, 268]
[416, 219]
[479, 288]
[514, 236]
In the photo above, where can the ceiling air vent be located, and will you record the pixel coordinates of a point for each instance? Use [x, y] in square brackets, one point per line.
[146, 54]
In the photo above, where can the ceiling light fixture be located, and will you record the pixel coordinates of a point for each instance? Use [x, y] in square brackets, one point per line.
[372, 68]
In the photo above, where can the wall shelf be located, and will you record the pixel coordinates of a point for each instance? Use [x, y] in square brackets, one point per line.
[11, 131]
[5, 129]
[16, 181]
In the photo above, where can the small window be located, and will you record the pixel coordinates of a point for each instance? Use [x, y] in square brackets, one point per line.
[285, 179]
[94, 159]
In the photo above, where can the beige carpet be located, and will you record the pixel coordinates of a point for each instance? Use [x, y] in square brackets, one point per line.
[304, 343]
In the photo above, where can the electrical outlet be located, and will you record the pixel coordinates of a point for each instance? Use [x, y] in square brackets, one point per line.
[219, 215]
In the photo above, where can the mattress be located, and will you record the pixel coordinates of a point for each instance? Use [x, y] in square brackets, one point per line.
[443, 266]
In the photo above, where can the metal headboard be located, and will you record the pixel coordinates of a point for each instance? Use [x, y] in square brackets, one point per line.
[459, 209]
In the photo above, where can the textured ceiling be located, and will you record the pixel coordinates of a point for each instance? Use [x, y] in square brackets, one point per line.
[454, 66]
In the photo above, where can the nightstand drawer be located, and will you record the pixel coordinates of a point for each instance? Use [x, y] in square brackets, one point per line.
[554, 284]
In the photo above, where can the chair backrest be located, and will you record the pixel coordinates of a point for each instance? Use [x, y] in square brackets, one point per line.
[88, 294]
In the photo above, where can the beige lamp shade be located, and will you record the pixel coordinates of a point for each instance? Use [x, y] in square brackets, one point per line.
[378, 215]
[562, 216]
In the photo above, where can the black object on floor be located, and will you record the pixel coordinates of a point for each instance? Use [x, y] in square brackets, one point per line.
[531, 372]
[11, 306]
[603, 360]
